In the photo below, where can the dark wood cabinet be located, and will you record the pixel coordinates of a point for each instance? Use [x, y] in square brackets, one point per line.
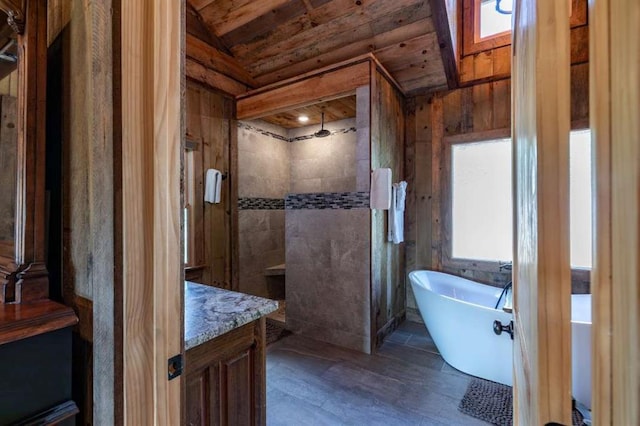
[225, 383]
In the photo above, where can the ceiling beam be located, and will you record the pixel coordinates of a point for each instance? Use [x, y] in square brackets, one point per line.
[212, 58]
[441, 21]
[247, 13]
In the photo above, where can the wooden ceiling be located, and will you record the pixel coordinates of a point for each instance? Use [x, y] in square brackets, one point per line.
[338, 109]
[277, 39]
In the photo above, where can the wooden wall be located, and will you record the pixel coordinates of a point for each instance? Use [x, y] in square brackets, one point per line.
[387, 259]
[483, 109]
[209, 124]
[9, 85]
[80, 33]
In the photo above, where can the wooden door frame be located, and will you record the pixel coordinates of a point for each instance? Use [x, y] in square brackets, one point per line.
[615, 114]
[542, 272]
[152, 313]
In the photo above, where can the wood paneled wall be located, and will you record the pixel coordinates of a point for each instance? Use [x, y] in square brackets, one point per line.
[479, 111]
[387, 259]
[209, 116]
[82, 33]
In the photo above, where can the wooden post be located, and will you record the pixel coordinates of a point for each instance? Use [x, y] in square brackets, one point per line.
[542, 273]
[153, 289]
[615, 121]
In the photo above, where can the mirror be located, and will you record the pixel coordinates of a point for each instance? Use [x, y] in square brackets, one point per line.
[23, 76]
[8, 133]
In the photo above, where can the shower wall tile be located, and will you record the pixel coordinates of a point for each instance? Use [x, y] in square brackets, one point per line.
[328, 275]
[261, 238]
[264, 174]
[363, 148]
[324, 164]
[263, 160]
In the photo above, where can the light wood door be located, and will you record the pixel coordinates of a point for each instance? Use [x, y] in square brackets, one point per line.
[614, 69]
[542, 275]
[153, 288]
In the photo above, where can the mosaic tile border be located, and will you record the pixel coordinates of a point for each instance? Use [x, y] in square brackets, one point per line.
[257, 203]
[333, 132]
[327, 200]
[263, 132]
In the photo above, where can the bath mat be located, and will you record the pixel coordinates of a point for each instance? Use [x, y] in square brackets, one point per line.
[493, 403]
[275, 331]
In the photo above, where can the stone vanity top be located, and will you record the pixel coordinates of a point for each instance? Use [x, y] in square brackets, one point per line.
[210, 312]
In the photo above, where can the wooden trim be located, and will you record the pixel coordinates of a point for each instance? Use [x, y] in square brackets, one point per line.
[20, 321]
[478, 136]
[320, 71]
[319, 88]
[16, 16]
[234, 223]
[437, 118]
[471, 42]
[601, 275]
[447, 49]
[471, 21]
[152, 134]
[25, 278]
[52, 416]
[386, 74]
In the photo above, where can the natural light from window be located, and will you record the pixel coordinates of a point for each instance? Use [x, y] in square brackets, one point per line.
[580, 187]
[481, 200]
[493, 22]
[481, 219]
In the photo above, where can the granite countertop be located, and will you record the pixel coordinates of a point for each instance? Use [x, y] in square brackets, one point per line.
[210, 312]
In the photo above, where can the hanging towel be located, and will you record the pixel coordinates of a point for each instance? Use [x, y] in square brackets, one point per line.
[213, 186]
[396, 213]
[380, 189]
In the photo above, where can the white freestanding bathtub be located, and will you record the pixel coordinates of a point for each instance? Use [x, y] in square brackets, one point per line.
[460, 313]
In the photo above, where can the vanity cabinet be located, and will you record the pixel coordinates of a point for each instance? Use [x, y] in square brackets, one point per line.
[225, 382]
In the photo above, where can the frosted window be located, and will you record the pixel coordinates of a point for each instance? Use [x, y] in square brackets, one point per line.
[481, 200]
[580, 199]
[491, 21]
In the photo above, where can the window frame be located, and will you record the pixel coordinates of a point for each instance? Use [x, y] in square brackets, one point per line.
[578, 275]
[193, 208]
[471, 41]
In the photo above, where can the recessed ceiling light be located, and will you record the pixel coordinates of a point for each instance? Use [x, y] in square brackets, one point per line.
[303, 119]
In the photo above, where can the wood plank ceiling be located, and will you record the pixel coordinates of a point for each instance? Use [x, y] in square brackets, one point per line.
[277, 39]
[337, 109]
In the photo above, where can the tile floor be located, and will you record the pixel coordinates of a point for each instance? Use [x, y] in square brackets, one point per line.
[405, 383]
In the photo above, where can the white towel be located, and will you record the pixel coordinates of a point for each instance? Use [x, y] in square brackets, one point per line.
[213, 186]
[380, 189]
[395, 232]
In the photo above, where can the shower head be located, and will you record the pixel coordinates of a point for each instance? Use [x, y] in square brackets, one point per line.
[322, 133]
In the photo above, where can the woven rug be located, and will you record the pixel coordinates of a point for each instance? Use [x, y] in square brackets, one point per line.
[275, 331]
[493, 403]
